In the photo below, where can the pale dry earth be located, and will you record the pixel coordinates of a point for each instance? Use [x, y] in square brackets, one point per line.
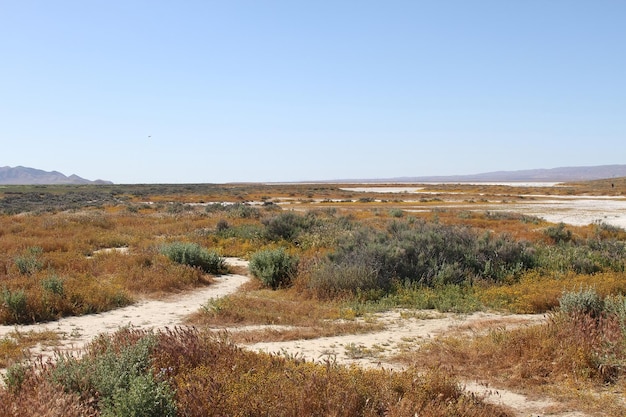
[574, 210]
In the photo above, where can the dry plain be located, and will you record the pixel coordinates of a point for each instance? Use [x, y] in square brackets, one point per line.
[402, 329]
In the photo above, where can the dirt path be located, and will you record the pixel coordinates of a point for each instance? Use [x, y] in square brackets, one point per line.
[77, 331]
[403, 329]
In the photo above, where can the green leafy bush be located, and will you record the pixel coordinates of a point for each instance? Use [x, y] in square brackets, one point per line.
[30, 261]
[274, 267]
[584, 301]
[144, 397]
[117, 371]
[331, 280]
[15, 303]
[558, 233]
[287, 225]
[194, 255]
[53, 284]
[429, 254]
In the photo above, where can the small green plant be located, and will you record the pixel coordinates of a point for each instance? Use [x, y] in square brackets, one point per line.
[117, 371]
[396, 213]
[584, 301]
[53, 284]
[274, 267]
[558, 233]
[15, 375]
[30, 261]
[194, 255]
[287, 226]
[15, 303]
[144, 397]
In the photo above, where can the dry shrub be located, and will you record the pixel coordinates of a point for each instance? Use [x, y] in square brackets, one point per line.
[39, 397]
[571, 351]
[537, 293]
[266, 307]
[14, 346]
[213, 377]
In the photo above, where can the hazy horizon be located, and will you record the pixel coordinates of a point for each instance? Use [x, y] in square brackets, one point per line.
[244, 91]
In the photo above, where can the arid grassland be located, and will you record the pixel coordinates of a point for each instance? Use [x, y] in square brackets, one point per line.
[327, 260]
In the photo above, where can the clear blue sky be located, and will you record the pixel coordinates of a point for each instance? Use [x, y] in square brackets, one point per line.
[308, 90]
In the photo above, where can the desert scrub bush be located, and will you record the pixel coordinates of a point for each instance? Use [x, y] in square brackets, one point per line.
[235, 211]
[116, 371]
[396, 213]
[429, 254]
[584, 301]
[330, 281]
[585, 257]
[288, 225]
[247, 231]
[274, 267]
[14, 304]
[30, 261]
[192, 254]
[53, 285]
[558, 233]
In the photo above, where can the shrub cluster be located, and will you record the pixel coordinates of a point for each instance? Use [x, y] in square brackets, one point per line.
[192, 254]
[288, 225]
[274, 267]
[584, 257]
[429, 254]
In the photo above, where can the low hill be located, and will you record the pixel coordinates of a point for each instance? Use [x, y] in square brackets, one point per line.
[26, 176]
[563, 174]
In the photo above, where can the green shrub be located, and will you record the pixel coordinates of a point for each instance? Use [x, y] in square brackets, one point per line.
[194, 255]
[117, 372]
[236, 211]
[396, 213]
[244, 231]
[29, 262]
[287, 225]
[144, 397]
[616, 305]
[15, 303]
[587, 257]
[584, 301]
[274, 267]
[558, 233]
[431, 254]
[53, 284]
[15, 376]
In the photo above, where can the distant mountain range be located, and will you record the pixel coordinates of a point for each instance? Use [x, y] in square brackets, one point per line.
[563, 174]
[25, 176]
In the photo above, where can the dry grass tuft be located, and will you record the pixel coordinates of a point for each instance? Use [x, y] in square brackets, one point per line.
[568, 355]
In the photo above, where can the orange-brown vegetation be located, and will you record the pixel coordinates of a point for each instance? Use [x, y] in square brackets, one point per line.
[195, 374]
[77, 250]
[574, 358]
